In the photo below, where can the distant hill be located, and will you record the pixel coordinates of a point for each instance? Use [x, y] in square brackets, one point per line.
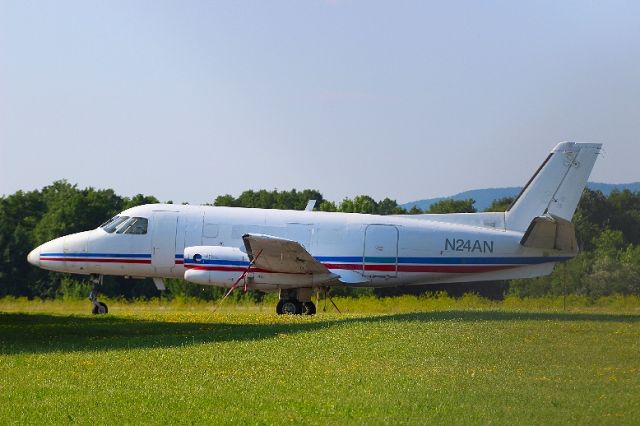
[484, 197]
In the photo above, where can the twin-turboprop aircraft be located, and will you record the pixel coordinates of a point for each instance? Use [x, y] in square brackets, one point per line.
[299, 252]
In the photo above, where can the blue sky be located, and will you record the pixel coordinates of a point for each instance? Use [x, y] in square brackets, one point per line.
[187, 100]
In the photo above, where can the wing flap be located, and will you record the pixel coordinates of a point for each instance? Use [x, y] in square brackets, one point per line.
[277, 254]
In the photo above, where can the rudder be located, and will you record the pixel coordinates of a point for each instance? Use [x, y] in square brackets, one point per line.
[556, 187]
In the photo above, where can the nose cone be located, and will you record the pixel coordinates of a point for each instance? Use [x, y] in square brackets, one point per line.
[34, 257]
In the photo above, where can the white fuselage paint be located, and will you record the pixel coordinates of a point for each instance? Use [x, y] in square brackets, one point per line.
[385, 250]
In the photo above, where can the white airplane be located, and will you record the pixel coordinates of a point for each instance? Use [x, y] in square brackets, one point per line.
[299, 252]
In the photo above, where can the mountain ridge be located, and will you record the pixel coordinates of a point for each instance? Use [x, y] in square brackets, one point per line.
[484, 197]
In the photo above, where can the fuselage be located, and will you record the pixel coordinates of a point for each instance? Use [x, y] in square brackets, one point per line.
[383, 250]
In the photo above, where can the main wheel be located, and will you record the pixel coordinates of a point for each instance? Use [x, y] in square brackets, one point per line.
[289, 307]
[100, 308]
[308, 308]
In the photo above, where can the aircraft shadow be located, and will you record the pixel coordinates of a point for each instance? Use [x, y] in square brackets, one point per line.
[42, 333]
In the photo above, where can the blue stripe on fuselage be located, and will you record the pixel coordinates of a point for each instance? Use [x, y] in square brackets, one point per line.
[446, 260]
[116, 255]
[217, 262]
[349, 259]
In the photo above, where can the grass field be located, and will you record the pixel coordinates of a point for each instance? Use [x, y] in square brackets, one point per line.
[402, 361]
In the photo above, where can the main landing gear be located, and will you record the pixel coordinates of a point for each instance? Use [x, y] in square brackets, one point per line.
[98, 307]
[295, 301]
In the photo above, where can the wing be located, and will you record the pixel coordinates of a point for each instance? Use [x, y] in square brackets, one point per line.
[281, 255]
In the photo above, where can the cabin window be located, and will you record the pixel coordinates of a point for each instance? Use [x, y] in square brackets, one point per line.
[210, 230]
[134, 225]
[112, 224]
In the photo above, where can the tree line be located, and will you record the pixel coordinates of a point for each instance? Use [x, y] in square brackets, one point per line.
[607, 228]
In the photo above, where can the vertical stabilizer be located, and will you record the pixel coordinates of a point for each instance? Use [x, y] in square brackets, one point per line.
[556, 187]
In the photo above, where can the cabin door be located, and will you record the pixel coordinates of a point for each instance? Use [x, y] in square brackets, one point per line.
[380, 257]
[189, 233]
[163, 241]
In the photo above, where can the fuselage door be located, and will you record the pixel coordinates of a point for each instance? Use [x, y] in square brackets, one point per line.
[163, 241]
[189, 233]
[380, 251]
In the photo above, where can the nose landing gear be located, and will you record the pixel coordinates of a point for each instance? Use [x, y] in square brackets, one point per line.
[98, 307]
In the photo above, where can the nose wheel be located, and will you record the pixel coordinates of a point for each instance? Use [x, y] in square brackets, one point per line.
[98, 306]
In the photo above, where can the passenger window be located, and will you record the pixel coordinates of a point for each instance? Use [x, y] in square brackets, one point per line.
[210, 230]
[134, 225]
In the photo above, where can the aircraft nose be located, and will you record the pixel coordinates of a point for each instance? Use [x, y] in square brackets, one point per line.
[34, 257]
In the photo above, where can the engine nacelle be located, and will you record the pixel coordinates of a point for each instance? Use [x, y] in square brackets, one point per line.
[213, 265]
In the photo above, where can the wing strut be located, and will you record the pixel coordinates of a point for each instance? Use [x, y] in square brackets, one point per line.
[237, 283]
[327, 296]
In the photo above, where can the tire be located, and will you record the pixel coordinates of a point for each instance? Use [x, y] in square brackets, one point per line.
[100, 309]
[309, 308]
[291, 307]
[279, 307]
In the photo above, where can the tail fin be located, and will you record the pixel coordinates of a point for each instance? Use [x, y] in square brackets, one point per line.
[556, 187]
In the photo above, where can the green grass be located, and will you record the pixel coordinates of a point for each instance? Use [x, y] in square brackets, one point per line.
[406, 360]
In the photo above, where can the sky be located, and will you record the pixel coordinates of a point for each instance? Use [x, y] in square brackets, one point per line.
[187, 100]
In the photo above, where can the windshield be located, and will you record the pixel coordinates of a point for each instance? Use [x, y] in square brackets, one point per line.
[108, 222]
[126, 225]
[134, 225]
[111, 225]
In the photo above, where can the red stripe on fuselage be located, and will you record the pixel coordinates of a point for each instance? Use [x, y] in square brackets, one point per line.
[237, 269]
[464, 269]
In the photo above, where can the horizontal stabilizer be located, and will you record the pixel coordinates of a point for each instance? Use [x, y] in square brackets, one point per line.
[551, 232]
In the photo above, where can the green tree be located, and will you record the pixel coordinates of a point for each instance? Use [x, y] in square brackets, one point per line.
[139, 200]
[449, 205]
[283, 200]
[359, 204]
[389, 206]
[328, 206]
[226, 200]
[30, 219]
[19, 215]
[500, 205]
[624, 209]
[590, 218]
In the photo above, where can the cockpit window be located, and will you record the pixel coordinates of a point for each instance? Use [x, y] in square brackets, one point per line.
[112, 224]
[134, 225]
[126, 225]
[108, 222]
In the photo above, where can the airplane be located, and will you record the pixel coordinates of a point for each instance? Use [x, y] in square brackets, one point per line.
[299, 252]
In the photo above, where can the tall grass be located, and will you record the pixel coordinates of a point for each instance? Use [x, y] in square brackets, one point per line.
[364, 304]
